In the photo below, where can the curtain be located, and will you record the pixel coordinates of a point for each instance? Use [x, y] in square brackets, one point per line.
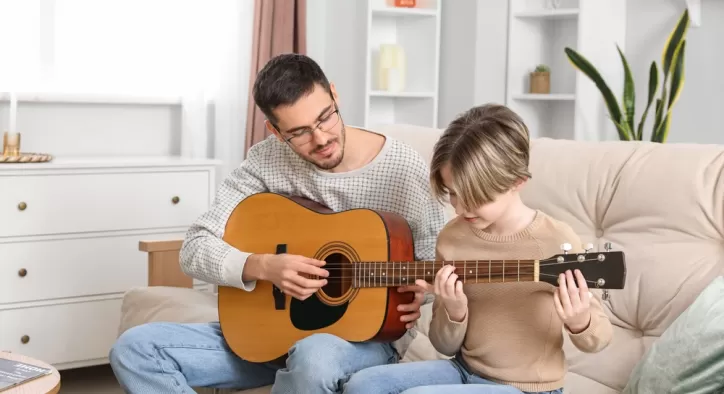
[216, 90]
[279, 27]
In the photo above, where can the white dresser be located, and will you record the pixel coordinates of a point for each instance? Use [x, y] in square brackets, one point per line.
[69, 234]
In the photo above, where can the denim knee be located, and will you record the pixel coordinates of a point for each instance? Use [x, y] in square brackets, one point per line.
[368, 380]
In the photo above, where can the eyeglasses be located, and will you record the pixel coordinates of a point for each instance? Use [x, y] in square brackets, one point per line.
[305, 136]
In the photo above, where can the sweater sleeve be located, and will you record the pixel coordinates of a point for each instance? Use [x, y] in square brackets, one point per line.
[446, 336]
[599, 332]
[204, 254]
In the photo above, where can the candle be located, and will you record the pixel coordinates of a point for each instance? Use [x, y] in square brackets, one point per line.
[13, 111]
[11, 144]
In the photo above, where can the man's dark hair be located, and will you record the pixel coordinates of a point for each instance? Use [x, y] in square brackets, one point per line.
[284, 80]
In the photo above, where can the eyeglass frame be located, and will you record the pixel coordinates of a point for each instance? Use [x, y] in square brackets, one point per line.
[312, 129]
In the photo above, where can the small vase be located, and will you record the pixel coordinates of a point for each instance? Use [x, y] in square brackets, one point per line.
[540, 82]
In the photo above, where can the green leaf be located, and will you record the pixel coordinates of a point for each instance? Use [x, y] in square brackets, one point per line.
[672, 43]
[657, 119]
[653, 86]
[624, 133]
[677, 75]
[629, 94]
[583, 65]
[662, 132]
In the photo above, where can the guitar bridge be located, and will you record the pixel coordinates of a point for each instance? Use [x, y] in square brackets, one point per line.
[277, 293]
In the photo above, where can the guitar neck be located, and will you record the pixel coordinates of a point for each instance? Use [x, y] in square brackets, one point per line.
[401, 273]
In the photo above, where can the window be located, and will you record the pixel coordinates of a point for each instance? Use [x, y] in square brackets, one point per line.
[138, 47]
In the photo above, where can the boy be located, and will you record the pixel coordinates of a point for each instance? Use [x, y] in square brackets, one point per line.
[505, 337]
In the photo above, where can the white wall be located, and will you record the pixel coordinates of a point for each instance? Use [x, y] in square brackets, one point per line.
[697, 116]
[97, 129]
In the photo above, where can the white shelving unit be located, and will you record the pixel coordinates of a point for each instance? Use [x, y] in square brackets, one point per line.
[417, 32]
[538, 34]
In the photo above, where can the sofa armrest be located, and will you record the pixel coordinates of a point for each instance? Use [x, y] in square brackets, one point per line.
[163, 264]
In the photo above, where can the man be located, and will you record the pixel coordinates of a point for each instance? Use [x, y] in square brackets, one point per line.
[311, 154]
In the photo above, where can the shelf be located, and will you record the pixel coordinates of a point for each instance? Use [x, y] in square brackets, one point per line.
[405, 12]
[381, 93]
[549, 14]
[396, 109]
[545, 97]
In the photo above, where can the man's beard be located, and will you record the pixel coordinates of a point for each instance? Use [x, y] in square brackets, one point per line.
[335, 161]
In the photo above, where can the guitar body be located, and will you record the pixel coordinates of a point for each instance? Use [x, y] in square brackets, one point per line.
[263, 324]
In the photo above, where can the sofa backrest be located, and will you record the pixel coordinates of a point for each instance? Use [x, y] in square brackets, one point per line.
[661, 204]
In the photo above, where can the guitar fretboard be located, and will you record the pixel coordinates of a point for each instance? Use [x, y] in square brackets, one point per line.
[393, 274]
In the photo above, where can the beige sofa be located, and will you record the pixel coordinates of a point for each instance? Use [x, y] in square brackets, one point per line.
[660, 204]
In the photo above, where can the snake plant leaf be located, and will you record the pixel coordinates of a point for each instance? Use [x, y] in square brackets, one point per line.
[658, 116]
[672, 43]
[653, 87]
[677, 84]
[582, 64]
[629, 94]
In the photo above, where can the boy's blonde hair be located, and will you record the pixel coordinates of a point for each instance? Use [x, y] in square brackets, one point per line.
[488, 150]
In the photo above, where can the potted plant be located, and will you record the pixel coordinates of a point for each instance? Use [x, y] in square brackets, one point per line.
[672, 63]
[540, 80]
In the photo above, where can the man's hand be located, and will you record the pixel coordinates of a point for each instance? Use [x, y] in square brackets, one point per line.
[412, 308]
[291, 273]
[573, 302]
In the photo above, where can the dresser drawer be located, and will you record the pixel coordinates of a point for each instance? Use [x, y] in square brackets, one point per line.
[57, 334]
[76, 203]
[40, 270]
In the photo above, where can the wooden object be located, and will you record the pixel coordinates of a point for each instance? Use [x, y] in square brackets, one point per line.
[44, 385]
[369, 254]
[572, 106]
[163, 263]
[540, 82]
[70, 232]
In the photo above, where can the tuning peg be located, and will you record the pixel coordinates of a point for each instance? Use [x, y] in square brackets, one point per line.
[608, 246]
[566, 247]
[588, 247]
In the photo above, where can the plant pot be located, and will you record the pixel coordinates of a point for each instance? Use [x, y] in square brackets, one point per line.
[540, 82]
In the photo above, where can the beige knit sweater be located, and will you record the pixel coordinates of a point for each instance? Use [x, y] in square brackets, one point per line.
[512, 333]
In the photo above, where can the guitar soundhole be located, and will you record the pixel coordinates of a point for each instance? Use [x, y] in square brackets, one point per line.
[341, 272]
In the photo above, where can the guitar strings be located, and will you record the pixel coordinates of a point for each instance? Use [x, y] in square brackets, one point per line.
[473, 263]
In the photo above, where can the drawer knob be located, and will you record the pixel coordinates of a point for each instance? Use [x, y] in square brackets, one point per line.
[22, 206]
[22, 272]
[25, 339]
[175, 199]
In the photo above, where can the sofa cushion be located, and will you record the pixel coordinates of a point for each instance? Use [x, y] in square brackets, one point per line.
[689, 356]
[166, 304]
[661, 204]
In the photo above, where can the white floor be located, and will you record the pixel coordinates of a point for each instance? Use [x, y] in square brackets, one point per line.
[91, 380]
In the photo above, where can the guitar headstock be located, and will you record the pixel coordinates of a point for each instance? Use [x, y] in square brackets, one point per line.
[602, 270]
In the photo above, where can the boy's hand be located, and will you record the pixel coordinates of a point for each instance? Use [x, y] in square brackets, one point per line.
[573, 302]
[450, 292]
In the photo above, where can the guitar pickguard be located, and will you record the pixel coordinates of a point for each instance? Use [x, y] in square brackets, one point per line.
[313, 314]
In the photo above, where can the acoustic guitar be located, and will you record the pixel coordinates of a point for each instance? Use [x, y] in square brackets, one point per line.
[369, 254]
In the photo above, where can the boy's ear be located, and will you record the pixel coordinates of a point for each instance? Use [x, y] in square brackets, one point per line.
[519, 184]
[273, 129]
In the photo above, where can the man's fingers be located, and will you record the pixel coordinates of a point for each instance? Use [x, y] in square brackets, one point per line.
[307, 283]
[312, 270]
[410, 317]
[315, 262]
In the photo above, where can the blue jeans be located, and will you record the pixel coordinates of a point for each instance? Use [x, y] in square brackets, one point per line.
[173, 358]
[426, 377]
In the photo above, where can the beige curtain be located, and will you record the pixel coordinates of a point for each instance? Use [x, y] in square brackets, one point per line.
[279, 27]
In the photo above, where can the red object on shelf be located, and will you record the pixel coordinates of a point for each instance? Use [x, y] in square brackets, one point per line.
[406, 3]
